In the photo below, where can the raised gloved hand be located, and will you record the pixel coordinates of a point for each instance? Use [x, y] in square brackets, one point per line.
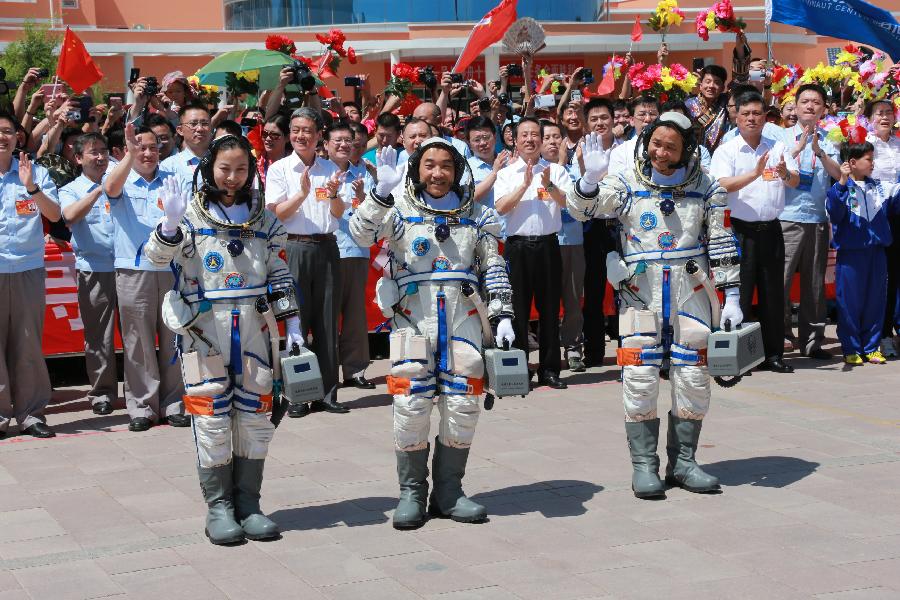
[292, 329]
[505, 333]
[174, 202]
[596, 160]
[616, 269]
[732, 310]
[388, 174]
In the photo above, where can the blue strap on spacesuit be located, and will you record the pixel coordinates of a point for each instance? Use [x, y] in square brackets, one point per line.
[235, 233]
[666, 195]
[237, 366]
[441, 220]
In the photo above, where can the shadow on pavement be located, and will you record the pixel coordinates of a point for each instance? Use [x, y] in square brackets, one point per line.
[352, 513]
[765, 471]
[370, 401]
[556, 498]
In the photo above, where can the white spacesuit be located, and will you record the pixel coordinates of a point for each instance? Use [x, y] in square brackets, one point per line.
[441, 250]
[674, 230]
[230, 269]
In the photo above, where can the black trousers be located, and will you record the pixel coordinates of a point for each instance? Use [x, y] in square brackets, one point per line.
[762, 269]
[891, 318]
[317, 273]
[599, 240]
[535, 265]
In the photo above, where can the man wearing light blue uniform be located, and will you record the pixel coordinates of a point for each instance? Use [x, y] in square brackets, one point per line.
[353, 340]
[26, 193]
[196, 129]
[154, 378]
[804, 221]
[87, 213]
[486, 161]
[571, 249]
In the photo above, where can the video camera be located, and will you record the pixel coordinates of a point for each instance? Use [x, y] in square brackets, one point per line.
[514, 70]
[151, 86]
[302, 76]
[427, 77]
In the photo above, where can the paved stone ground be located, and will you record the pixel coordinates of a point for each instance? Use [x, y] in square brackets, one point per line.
[810, 464]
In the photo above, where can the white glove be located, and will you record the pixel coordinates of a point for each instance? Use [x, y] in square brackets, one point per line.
[732, 310]
[387, 172]
[387, 295]
[616, 269]
[174, 202]
[505, 333]
[292, 329]
[596, 160]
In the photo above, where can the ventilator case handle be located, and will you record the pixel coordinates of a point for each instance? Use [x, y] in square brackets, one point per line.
[295, 349]
[728, 382]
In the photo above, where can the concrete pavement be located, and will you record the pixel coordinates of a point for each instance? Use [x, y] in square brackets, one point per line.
[810, 466]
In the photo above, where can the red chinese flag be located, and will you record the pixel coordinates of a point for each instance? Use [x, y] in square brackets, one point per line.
[636, 33]
[608, 83]
[489, 30]
[75, 66]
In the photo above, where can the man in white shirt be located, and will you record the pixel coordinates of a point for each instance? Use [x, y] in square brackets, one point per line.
[303, 192]
[195, 127]
[755, 169]
[600, 235]
[646, 110]
[530, 194]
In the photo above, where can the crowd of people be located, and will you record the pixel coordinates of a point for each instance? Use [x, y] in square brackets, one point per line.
[197, 227]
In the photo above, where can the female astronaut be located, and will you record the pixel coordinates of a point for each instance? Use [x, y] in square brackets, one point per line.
[675, 230]
[443, 262]
[228, 255]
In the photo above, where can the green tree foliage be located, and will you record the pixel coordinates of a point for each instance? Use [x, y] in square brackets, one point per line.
[36, 47]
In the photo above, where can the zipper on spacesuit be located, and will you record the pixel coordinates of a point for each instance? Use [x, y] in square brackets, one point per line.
[237, 366]
[666, 334]
[443, 338]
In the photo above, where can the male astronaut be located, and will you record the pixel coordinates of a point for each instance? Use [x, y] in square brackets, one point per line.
[675, 231]
[444, 268]
[228, 255]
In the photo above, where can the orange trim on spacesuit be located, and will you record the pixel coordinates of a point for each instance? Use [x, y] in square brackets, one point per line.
[198, 405]
[398, 386]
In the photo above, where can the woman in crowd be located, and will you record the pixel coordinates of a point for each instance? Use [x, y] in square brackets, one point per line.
[274, 142]
[232, 284]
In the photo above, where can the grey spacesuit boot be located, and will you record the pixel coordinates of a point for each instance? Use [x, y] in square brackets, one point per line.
[412, 473]
[248, 476]
[683, 470]
[221, 528]
[642, 440]
[447, 498]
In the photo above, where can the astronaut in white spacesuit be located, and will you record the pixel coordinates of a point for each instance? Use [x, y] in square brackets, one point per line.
[227, 252]
[675, 230]
[443, 268]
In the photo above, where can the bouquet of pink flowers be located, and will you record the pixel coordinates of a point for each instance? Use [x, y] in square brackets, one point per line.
[719, 17]
[674, 82]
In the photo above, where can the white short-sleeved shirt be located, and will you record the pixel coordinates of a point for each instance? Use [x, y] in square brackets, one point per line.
[536, 213]
[763, 199]
[283, 181]
[887, 159]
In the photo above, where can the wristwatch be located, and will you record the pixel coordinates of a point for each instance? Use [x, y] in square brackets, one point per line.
[34, 191]
[550, 187]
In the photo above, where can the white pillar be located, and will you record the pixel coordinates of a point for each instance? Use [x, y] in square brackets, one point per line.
[492, 64]
[395, 57]
[128, 64]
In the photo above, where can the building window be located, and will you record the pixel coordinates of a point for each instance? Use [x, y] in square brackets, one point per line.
[70, 3]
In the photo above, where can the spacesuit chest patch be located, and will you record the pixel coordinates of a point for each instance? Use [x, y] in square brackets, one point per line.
[666, 240]
[648, 221]
[235, 280]
[441, 263]
[421, 246]
[213, 262]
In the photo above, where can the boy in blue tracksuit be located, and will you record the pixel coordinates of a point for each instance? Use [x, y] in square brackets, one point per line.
[858, 207]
